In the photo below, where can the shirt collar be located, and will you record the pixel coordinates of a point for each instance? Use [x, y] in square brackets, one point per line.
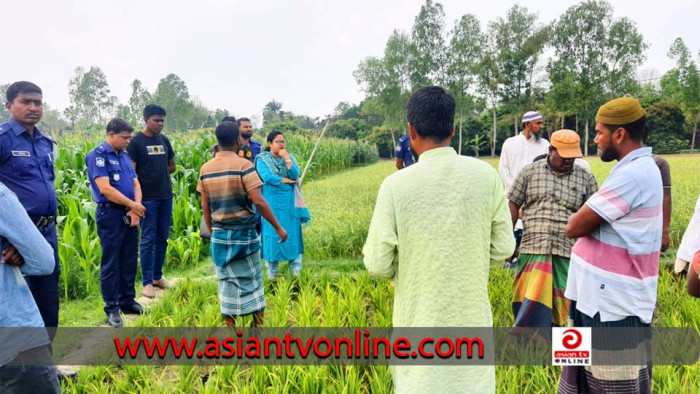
[19, 129]
[437, 153]
[223, 153]
[108, 148]
[635, 154]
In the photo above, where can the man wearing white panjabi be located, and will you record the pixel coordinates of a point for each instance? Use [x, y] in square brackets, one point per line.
[519, 151]
[690, 243]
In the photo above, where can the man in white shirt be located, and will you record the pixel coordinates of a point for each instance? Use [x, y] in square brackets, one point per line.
[519, 151]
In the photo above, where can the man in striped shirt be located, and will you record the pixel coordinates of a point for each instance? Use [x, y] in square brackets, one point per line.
[230, 188]
[614, 266]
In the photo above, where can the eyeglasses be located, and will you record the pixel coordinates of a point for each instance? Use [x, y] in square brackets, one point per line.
[280, 142]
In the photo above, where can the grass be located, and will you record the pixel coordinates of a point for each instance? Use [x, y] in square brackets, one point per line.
[336, 291]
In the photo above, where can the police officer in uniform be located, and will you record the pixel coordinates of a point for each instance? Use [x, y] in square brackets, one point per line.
[116, 190]
[27, 168]
[403, 153]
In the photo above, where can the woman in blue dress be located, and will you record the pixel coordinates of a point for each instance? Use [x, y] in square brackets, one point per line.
[279, 172]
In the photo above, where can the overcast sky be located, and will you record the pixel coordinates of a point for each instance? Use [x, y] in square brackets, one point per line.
[239, 55]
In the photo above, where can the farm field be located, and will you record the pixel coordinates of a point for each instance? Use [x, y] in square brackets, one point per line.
[335, 290]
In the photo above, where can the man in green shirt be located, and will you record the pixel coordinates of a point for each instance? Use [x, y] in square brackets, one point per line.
[436, 227]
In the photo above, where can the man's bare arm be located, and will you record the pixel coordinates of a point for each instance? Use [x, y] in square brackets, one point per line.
[583, 223]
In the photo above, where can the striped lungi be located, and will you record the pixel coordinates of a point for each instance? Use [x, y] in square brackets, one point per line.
[241, 290]
[613, 346]
[538, 290]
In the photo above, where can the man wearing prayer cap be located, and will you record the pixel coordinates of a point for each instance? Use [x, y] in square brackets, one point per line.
[614, 267]
[519, 151]
[548, 191]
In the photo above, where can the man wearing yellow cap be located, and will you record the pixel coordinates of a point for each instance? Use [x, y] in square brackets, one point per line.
[549, 191]
[614, 267]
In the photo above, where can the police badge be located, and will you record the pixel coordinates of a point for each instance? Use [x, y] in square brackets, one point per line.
[116, 177]
[100, 161]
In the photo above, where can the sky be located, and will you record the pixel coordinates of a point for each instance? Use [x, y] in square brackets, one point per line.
[239, 55]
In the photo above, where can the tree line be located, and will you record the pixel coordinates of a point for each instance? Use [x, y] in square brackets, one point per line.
[497, 71]
[565, 69]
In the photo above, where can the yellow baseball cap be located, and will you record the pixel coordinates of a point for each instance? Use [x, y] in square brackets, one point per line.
[567, 143]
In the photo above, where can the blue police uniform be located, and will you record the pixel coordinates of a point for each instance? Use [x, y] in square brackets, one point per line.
[119, 241]
[255, 149]
[27, 168]
[403, 150]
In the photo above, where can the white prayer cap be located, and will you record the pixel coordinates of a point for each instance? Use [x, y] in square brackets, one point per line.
[530, 116]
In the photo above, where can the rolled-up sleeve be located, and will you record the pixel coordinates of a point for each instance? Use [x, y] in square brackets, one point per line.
[380, 250]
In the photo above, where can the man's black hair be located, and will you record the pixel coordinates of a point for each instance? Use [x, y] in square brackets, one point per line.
[229, 119]
[227, 134]
[431, 111]
[20, 87]
[637, 130]
[241, 120]
[151, 110]
[119, 125]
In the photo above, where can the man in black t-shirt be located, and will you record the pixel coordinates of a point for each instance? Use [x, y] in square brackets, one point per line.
[154, 160]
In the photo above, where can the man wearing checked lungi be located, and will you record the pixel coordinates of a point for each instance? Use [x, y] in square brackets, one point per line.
[549, 191]
[230, 187]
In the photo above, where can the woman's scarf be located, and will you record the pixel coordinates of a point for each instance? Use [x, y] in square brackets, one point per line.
[279, 168]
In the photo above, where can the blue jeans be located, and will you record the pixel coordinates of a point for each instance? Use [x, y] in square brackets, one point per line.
[294, 265]
[155, 230]
[19, 377]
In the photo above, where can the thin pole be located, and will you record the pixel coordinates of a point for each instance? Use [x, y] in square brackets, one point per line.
[308, 163]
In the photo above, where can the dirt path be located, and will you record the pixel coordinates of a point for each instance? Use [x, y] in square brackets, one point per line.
[93, 343]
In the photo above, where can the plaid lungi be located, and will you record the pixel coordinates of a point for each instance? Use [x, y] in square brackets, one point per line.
[632, 378]
[241, 290]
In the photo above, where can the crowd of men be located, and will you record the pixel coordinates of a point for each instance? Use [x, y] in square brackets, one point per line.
[584, 256]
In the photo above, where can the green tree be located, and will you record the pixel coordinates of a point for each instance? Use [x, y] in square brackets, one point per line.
[520, 42]
[4, 115]
[428, 56]
[271, 113]
[595, 55]
[220, 114]
[466, 41]
[52, 121]
[90, 99]
[172, 94]
[488, 77]
[140, 98]
[666, 121]
[687, 87]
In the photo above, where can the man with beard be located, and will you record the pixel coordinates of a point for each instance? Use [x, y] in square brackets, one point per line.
[248, 148]
[614, 268]
[154, 160]
[517, 152]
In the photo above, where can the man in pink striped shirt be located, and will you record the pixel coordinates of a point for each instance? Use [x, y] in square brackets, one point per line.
[614, 266]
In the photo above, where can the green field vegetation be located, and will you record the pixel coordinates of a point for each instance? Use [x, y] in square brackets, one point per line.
[334, 291]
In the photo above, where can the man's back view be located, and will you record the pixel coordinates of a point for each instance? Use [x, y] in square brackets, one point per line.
[436, 227]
